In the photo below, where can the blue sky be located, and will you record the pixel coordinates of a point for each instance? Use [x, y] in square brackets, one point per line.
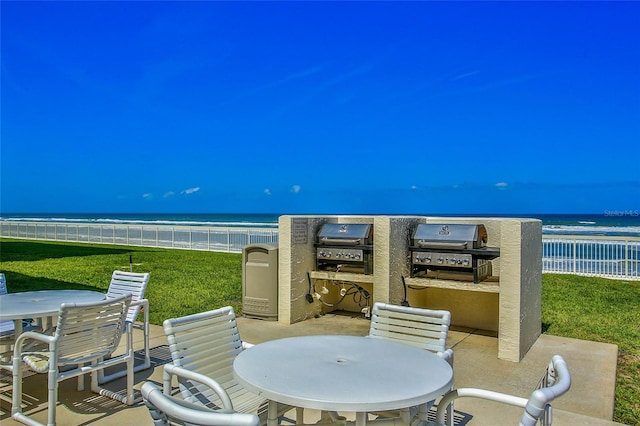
[320, 107]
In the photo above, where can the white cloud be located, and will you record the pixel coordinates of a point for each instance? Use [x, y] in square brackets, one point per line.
[414, 187]
[295, 189]
[169, 194]
[267, 191]
[147, 195]
[502, 185]
[465, 75]
[190, 190]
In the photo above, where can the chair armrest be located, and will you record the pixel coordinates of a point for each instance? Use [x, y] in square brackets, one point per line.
[188, 412]
[143, 302]
[145, 311]
[447, 356]
[476, 393]
[20, 342]
[31, 335]
[173, 370]
[246, 345]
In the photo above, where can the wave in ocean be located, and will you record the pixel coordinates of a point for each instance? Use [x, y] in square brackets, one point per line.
[611, 231]
[151, 222]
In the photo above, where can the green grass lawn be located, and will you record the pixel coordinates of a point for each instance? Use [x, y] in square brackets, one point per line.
[600, 310]
[187, 281]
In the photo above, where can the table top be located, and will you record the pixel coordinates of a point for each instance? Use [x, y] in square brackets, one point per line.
[343, 373]
[31, 304]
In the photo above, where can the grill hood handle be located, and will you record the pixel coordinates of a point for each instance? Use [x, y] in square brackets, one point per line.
[436, 244]
[339, 240]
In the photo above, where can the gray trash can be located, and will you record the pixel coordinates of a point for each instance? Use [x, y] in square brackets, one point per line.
[260, 281]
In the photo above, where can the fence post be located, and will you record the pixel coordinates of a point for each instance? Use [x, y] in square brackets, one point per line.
[575, 254]
[627, 258]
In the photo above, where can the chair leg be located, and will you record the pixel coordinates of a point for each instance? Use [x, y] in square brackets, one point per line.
[272, 414]
[450, 414]
[80, 379]
[16, 399]
[145, 330]
[405, 415]
[129, 397]
[130, 376]
[52, 385]
[102, 378]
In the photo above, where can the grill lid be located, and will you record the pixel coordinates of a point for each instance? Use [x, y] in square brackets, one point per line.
[345, 233]
[455, 236]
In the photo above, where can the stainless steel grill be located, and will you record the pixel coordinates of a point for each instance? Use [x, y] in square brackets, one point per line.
[345, 247]
[451, 251]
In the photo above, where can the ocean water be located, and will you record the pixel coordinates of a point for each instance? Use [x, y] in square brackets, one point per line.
[196, 219]
[609, 223]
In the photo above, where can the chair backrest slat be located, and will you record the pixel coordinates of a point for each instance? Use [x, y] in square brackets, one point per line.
[88, 331]
[205, 342]
[424, 328]
[135, 283]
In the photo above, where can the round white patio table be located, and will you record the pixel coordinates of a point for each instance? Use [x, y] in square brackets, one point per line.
[41, 303]
[342, 373]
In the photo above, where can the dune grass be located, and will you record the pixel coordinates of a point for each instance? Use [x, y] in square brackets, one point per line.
[187, 281]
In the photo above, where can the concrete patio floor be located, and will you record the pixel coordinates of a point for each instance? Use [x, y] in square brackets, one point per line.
[589, 402]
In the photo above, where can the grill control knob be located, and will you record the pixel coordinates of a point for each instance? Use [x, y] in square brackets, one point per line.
[440, 259]
[466, 262]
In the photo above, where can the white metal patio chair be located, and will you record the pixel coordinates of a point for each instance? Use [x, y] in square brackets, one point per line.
[7, 331]
[6, 327]
[85, 334]
[206, 344]
[165, 408]
[136, 284]
[424, 328]
[555, 383]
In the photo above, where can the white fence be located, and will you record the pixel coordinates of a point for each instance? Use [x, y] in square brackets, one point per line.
[610, 257]
[223, 239]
